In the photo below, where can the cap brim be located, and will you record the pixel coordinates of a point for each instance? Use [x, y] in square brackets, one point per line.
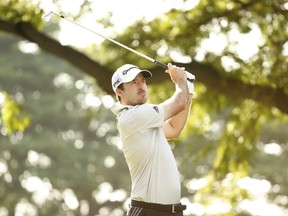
[146, 73]
[132, 76]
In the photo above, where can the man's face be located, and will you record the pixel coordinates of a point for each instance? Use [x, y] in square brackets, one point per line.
[134, 92]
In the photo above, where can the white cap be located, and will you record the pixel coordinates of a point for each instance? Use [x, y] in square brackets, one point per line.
[127, 73]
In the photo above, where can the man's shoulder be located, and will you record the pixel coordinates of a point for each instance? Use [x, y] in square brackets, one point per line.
[136, 112]
[143, 108]
[141, 116]
[141, 112]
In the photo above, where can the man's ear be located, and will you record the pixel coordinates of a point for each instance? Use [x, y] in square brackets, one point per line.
[118, 92]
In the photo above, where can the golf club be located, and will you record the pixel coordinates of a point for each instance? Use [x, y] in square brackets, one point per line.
[47, 18]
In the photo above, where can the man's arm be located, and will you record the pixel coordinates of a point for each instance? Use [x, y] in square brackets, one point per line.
[176, 108]
[173, 126]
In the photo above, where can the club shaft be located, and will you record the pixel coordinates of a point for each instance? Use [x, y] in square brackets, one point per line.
[115, 42]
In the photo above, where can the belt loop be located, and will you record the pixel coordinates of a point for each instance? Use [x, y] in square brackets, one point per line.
[173, 209]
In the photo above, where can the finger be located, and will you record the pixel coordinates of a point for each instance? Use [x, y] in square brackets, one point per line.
[169, 66]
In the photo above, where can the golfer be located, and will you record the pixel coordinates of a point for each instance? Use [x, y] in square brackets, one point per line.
[144, 130]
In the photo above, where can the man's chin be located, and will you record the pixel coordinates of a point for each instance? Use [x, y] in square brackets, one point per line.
[140, 102]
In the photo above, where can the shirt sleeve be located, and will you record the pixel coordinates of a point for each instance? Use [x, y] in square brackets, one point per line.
[145, 116]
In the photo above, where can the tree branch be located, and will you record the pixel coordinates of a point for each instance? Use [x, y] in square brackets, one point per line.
[205, 74]
[237, 89]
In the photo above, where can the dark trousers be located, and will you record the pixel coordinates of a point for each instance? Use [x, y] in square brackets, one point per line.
[138, 211]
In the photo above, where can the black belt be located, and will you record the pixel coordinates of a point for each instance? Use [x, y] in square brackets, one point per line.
[159, 207]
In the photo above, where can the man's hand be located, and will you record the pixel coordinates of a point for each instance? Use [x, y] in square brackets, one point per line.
[177, 74]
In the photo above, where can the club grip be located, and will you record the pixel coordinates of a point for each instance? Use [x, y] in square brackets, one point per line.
[161, 64]
[190, 77]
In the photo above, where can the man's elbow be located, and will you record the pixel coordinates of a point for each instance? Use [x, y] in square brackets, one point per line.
[173, 135]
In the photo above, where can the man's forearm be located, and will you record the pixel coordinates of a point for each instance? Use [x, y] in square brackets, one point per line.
[181, 95]
[177, 102]
[178, 121]
[176, 108]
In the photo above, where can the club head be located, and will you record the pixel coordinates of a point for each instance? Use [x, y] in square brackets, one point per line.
[47, 17]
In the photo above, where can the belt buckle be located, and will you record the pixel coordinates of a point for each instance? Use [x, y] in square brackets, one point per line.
[173, 209]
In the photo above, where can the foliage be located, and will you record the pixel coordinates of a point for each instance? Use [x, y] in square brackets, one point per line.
[222, 20]
[21, 11]
[12, 115]
[71, 148]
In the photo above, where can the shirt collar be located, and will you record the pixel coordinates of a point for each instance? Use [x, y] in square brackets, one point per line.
[118, 108]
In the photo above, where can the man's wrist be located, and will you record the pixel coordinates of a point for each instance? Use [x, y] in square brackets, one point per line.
[182, 86]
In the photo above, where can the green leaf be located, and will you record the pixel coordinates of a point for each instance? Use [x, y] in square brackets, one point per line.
[13, 116]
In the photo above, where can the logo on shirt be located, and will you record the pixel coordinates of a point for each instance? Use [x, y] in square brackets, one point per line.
[156, 109]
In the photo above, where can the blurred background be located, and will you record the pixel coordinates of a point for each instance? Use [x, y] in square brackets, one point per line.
[60, 153]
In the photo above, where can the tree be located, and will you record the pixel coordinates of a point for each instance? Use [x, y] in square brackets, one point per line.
[226, 16]
[69, 148]
[246, 92]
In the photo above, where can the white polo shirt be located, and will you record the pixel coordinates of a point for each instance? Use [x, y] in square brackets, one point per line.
[152, 165]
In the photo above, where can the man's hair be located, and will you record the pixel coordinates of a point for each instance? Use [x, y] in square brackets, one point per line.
[121, 86]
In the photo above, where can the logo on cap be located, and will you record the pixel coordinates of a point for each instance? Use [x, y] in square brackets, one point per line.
[116, 83]
[126, 71]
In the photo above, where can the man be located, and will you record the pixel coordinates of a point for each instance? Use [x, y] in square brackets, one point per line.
[144, 130]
